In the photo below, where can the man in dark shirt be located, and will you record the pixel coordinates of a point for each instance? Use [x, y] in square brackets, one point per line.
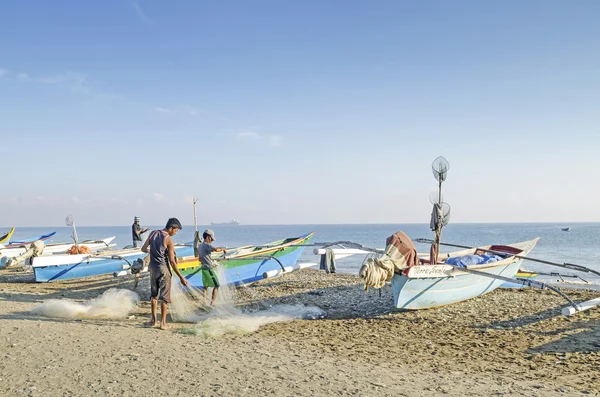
[136, 232]
[161, 248]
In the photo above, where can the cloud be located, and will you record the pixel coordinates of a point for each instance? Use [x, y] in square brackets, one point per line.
[272, 140]
[158, 109]
[275, 140]
[187, 200]
[3, 72]
[159, 197]
[248, 134]
[140, 12]
[77, 82]
[13, 200]
[193, 111]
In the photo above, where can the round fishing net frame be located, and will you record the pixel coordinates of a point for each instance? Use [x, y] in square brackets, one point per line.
[440, 167]
[70, 220]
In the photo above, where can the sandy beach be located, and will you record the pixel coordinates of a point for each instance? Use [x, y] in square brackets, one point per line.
[510, 342]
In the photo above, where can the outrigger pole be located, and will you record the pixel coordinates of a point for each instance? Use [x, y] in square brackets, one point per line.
[343, 244]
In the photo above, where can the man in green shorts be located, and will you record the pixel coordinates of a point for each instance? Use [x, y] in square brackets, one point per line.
[209, 277]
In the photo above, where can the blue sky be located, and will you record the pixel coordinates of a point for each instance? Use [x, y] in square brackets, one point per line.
[279, 112]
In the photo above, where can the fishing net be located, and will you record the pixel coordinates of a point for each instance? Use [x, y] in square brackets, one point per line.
[188, 305]
[237, 322]
[70, 221]
[78, 249]
[400, 253]
[440, 167]
[440, 215]
[113, 303]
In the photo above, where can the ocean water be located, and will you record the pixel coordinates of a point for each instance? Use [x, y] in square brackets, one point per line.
[579, 246]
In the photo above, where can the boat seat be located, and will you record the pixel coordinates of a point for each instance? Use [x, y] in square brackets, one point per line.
[506, 249]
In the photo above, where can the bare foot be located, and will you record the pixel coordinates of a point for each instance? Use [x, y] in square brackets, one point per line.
[165, 326]
[150, 323]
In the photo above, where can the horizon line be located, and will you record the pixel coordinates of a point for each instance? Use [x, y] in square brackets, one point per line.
[329, 224]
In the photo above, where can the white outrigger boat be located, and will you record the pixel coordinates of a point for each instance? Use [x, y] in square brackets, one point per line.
[55, 248]
[422, 285]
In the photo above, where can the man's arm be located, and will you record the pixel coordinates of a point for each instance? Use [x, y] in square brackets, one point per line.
[219, 249]
[173, 260]
[145, 247]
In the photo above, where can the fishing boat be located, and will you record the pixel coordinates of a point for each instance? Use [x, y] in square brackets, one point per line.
[251, 263]
[56, 248]
[19, 243]
[59, 267]
[565, 229]
[422, 281]
[427, 286]
[4, 237]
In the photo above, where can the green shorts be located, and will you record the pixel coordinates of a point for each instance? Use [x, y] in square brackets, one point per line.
[209, 278]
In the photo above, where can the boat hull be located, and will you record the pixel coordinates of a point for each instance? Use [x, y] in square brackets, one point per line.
[239, 272]
[248, 270]
[18, 243]
[6, 236]
[425, 293]
[68, 267]
[57, 248]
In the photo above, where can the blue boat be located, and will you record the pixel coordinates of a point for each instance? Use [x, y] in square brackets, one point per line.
[17, 243]
[67, 267]
[427, 286]
[251, 263]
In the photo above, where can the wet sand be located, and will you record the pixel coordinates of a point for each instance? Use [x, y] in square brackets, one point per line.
[510, 342]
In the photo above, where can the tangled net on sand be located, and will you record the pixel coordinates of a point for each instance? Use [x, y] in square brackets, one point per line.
[230, 320]
[113, 303]
[188, 305]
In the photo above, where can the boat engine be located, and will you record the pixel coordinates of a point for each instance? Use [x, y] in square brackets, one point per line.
[137, 266]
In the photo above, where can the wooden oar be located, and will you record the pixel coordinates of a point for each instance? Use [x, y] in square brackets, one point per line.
[570, 266]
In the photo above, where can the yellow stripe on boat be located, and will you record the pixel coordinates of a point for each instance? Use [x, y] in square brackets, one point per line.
[5, 237]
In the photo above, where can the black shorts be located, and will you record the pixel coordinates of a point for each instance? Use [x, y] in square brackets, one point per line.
[160, 284]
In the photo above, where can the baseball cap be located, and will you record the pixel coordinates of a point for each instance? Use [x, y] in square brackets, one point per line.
[210, 233]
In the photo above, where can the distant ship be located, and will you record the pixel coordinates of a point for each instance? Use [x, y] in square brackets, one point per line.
[233, 222]
[565, 229]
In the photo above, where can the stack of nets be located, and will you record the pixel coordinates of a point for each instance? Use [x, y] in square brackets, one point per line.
[400, 254]
[78, 249]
